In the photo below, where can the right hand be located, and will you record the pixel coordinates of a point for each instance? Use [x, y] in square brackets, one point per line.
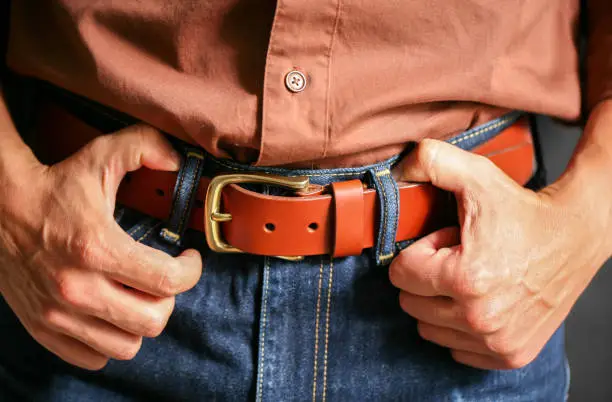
[80, 285]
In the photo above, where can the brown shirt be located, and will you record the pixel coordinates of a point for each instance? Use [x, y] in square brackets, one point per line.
[371, 75]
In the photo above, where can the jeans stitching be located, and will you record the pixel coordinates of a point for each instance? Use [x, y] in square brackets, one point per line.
[481, 131]
[262, 343]
[384, 217]
[316, 348]
[136, 228]
[327, 314]
[148, 233]
[191, 187]
[353, 171]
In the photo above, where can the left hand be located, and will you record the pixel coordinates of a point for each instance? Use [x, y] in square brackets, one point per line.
[495, 289]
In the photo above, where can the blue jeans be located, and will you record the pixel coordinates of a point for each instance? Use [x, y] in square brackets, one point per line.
[260, 328]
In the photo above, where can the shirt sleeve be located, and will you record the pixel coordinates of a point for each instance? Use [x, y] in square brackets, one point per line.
[599, 52]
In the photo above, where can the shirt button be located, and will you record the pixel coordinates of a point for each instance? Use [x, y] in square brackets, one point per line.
[295, 81]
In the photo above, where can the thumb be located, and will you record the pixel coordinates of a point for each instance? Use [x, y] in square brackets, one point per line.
[109, 157]
[112, 156]
[445, 166]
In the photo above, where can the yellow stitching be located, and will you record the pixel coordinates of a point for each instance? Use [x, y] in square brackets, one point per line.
[148, 233]
[170, 234]
[195, 155]
[386, 256]
[482, 131]
[383, 206]
[316, 351]
[191, 187]
[178, 192]
[220, 162]
[263, 324]
[383, 172]
[327, 314]
[136, 228]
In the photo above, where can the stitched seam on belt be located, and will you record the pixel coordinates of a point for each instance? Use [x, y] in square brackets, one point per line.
[263, 326]
[316, 348]
[148, 233]
[178, 192]
[327, 314]
[384, 217]
[189, 194]
[481, 131]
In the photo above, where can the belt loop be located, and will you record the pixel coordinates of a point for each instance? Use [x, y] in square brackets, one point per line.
[388, 196]
[348, 218]
[185, 191]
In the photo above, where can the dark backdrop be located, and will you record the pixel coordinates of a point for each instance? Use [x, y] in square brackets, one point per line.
[589, 325]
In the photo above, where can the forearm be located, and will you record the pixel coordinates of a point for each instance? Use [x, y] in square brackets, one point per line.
[585, 188]
[13, 151]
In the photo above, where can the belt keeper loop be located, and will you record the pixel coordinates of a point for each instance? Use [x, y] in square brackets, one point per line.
[185, 190]
[348, 202]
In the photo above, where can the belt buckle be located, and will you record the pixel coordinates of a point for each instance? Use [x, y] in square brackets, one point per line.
[213, 214]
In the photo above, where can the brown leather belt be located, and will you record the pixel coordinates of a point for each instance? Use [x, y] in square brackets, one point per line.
[341, 222]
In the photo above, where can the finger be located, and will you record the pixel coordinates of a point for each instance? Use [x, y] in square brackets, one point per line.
[71, 350]
[446, 166]
[451, 338]
[438, 311]
[150, 270]
[112, 156]
[480, 361]
[131, 310]
[134, 311]
[99, 335]
[422, 267]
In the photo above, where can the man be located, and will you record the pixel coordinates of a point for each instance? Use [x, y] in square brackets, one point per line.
[106, 297]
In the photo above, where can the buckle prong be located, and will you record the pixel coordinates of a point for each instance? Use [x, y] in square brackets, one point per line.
[213, 214]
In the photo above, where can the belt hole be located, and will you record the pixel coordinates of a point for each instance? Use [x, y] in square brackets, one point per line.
[269, 227]
[159, 192]
[313, 226]
[199, 204]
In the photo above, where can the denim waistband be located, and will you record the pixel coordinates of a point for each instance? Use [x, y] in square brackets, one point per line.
[378, 176]
[198, 163]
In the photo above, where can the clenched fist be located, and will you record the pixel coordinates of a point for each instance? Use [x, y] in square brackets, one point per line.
[80, 285]
[495, 289]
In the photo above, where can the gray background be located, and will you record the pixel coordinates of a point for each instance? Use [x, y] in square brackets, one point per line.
[589, 325]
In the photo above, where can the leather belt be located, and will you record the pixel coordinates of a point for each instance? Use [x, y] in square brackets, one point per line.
[342, 222]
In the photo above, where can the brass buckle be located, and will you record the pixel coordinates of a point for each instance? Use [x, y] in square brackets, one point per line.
[213, 214]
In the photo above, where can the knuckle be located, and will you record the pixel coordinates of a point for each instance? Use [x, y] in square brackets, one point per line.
[52, 317]
[68, 291]
[130, 350]
[426, 152]
[482, 320]
[502, 345]
[473, 280]
[169, 283]
[86, 248]
[478, 322]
